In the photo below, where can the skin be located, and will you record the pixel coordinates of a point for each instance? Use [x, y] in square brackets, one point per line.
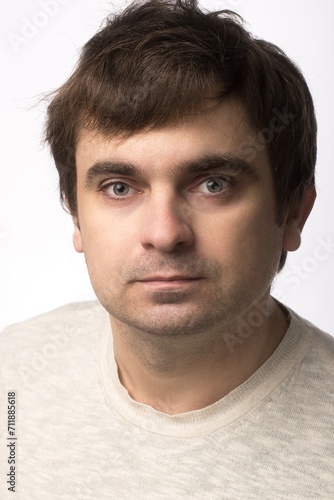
[182, 259]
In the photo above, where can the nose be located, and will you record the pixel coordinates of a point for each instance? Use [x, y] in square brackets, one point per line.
[166, 223]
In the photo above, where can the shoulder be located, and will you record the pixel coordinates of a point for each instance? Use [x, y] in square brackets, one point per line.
[317, 368]
[322, 343]
[67, 321]
[60, 344]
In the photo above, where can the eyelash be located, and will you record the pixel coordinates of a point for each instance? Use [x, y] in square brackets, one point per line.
[215, 178]
[104, 187]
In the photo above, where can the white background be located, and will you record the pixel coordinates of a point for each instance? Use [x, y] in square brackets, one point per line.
[39, 269]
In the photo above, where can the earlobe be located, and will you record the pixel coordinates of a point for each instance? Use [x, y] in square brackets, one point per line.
[296, 219]
[77, 241]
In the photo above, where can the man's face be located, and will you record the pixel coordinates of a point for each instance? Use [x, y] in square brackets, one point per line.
[177, 226]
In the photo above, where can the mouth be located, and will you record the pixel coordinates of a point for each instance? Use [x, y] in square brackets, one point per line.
[172, 278]
[169, 282]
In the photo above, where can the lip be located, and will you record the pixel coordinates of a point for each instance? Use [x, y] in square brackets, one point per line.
[168, 279]
[169, 282]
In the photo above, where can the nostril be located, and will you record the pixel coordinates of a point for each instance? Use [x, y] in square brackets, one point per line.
[165, 235]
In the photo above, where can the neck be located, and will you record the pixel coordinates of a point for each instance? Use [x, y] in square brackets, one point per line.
[177, 374]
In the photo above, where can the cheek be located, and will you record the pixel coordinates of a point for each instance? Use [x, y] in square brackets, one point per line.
[261, 246]
[244, 237]
[248, 236]
[107, 245]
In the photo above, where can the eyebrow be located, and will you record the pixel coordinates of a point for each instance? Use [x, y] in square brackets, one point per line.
[230, 164]
[103, 168]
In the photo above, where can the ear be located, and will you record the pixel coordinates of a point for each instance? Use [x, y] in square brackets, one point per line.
[296, 219]
[77, 240]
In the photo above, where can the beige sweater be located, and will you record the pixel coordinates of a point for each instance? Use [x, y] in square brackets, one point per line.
[80, 436]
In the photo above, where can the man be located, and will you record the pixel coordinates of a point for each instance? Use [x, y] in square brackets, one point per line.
[186, 151]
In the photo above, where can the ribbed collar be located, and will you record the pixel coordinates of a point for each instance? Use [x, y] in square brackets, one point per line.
[230, 408]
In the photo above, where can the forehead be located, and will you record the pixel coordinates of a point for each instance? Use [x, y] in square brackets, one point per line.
[222, 131]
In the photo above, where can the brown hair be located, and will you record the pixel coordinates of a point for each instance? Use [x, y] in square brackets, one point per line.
[158, 62]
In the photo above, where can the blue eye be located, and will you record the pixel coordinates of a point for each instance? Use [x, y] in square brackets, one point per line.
[120, 189]
[214, 185]
[117, 189]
